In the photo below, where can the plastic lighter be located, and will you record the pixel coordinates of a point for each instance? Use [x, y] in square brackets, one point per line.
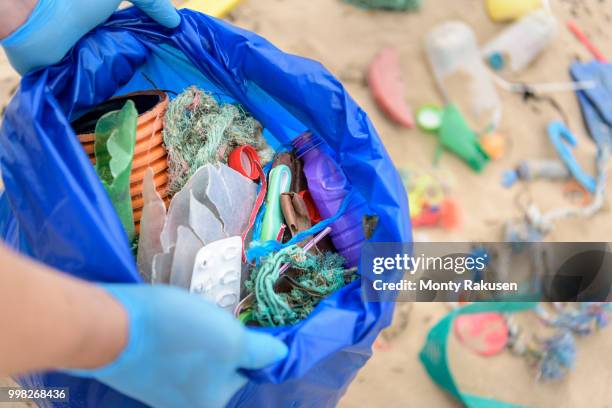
[279, 182]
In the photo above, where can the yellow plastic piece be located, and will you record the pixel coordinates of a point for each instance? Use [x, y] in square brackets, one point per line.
[215, 8]
[508, 10]
[424, 189]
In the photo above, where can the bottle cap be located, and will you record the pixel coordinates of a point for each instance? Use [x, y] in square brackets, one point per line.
[429, 118]
[496, 61]
[245, 160]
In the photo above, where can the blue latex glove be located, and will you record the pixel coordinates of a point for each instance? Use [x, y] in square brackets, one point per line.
[56, 25]
[182, 350]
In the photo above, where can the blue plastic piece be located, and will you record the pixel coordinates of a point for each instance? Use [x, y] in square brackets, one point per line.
[597, 102]
[601, 94]
[61, 215]
[560, 136]
[509, 177]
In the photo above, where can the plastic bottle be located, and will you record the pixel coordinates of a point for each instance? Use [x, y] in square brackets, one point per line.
[518, 45]
[329, 187]
[461, 74]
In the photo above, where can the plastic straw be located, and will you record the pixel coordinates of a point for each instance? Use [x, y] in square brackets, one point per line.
[581, 36]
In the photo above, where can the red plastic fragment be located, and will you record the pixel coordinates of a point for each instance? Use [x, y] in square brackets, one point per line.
[387, 86]
[483, 333]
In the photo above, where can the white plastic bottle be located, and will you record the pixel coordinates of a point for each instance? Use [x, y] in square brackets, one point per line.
[462, 75]
[518, 45]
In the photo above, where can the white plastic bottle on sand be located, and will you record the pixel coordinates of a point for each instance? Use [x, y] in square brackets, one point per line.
[462, 75]
[518, 45]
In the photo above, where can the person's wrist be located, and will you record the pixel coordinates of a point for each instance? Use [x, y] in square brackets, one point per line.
[105, 331]
[13, 14]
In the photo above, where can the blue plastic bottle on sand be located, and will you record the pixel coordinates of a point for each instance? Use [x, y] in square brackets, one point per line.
[328, 187]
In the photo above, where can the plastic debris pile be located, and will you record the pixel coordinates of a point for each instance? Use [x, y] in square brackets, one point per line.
[229, 190]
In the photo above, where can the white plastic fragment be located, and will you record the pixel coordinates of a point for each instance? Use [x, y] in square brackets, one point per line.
[178, 213]
[217, 272]
[204, 223]
[151, 225]
[242, 194]
[162, 265]
[187, 246]
[228, 195]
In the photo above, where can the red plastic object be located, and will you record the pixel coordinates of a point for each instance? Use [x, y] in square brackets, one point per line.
[313, 212]
[248, 152]
[428, 218]
[484, 333]
[387, 86]
[446, 216]
[581, 36]
[281, 232]
[245, 160]
[450, 214]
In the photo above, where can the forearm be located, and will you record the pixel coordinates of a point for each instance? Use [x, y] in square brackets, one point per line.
[49, 320]
[13, 13]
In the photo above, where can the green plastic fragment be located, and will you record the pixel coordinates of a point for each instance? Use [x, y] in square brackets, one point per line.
[245, 316]
[114, 151]
[456, 136]
[434, 355]
[401, 5]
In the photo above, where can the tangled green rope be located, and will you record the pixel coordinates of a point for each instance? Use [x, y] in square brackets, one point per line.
[320, 275]
[403, 5]
[198, 130]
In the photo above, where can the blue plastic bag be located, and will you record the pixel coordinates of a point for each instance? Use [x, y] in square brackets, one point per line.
[55, 209]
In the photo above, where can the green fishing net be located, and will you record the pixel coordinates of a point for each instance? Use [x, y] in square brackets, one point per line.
[311, 278]
[387, 4]
[199, 130]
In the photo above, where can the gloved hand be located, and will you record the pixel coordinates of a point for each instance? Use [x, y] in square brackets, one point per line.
[56, 25]
[182, 350]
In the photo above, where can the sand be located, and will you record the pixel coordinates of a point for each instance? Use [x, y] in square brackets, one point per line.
[345, 39]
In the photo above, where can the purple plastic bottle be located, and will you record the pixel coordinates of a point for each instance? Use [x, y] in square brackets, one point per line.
[328, 187]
